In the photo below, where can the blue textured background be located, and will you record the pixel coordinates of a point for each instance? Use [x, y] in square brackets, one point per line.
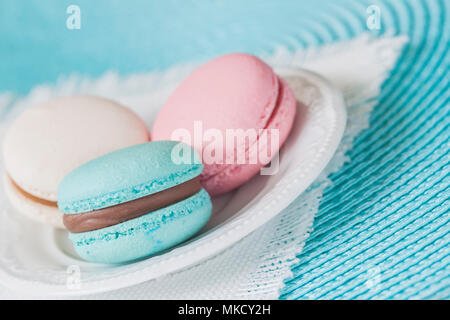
[382, 230]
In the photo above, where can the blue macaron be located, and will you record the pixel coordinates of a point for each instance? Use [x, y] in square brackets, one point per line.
[134, 202]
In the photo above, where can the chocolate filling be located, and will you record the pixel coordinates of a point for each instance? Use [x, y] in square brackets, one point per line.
[102, 218]
[32, 197]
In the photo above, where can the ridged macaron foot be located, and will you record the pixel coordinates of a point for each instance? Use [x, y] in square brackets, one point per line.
[134, 202]
[50, 139]
[238, 94]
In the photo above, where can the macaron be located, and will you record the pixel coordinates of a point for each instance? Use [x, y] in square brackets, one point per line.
[237, 92]
[47, 141]
[133, 202]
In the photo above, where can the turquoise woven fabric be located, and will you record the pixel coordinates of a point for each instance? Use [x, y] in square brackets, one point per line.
[382, 230]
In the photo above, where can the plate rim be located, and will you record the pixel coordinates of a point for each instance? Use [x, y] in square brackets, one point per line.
[207, 250]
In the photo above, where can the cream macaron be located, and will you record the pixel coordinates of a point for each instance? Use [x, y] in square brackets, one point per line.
[49, 140]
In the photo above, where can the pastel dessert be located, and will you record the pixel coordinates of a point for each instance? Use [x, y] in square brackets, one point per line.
[133, 202]
[230, 93]
[49, 140]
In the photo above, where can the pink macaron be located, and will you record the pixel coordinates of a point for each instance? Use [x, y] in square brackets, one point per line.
[236, 112]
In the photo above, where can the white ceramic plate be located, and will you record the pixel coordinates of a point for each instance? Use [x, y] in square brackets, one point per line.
[39, 260]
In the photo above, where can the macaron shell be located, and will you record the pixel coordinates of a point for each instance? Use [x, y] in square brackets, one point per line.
[235, 91]
[49, 140]
[232, 176]
[146, 235]
[34, 210]
[125, 175]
